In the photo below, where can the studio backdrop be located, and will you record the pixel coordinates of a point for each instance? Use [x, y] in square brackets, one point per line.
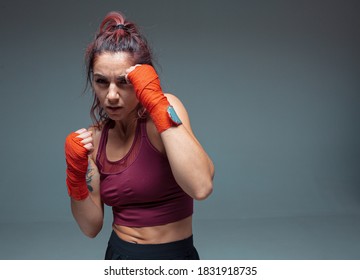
[271, 87]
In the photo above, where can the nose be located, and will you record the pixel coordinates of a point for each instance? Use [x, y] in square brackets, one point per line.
[113, 94]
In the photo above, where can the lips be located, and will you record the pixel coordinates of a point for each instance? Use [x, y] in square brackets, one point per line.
[113, 109]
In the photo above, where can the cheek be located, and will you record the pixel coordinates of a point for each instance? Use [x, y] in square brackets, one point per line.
[133, 102]
[100, 96]
[99, 92]
[130, 96]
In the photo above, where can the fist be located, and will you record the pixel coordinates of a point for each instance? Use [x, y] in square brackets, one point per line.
[87, 139]
[132, 68]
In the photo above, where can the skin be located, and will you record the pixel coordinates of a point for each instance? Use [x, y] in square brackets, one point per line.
[191, 166]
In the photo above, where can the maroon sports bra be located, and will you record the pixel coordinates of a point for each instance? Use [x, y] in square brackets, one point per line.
[140, 187]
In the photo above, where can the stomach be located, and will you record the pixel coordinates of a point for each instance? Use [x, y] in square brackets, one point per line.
[171, 232]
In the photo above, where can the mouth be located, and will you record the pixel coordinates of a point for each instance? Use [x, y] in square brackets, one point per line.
[113, 109]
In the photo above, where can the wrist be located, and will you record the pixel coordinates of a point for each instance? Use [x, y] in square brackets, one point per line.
[77, 164]
[148, 90]
[164, 116]
[76, 185]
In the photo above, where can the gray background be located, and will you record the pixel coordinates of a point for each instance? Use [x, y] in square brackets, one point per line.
[272, 89]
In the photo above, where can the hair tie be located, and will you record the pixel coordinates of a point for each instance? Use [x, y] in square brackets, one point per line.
[120, 26]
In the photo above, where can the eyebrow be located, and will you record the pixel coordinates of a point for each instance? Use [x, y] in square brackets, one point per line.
[99, 75]
[119, 78]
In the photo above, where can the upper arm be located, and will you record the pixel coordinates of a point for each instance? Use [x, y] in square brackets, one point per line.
[92, 174]
[93, 182]
[180, 111]
[184, 117]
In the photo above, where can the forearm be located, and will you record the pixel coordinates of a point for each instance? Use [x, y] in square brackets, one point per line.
[191, 166]
[88, 215]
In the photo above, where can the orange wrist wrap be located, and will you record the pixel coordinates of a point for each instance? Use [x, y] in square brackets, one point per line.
[77, 164]
[148, 90]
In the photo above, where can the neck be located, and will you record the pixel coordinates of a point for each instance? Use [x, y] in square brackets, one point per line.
[125, 129]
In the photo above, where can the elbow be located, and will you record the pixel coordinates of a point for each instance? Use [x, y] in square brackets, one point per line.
[205, 185]
[92, 233]
[204, 191]
[91, 230]
[205, 188]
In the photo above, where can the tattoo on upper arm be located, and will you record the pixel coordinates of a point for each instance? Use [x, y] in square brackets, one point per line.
[89, 175]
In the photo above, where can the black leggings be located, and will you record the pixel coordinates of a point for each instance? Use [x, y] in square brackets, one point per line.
[119, 249]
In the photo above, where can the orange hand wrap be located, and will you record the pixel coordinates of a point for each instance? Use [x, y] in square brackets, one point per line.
[148, 90]
[77, 164]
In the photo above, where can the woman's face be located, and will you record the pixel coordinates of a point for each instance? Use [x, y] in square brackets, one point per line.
[116, 96]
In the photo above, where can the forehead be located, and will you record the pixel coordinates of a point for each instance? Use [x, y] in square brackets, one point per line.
[112, 63]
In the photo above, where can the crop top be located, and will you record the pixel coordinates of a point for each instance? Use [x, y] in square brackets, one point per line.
[140, 187]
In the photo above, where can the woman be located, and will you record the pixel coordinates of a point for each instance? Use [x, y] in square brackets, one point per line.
[141, 156]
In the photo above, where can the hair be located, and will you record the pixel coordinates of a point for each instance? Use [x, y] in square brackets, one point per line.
[115, 34]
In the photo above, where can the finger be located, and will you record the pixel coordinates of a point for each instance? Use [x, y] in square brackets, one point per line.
[127, 71]
[81, 130]
[89, 147]
[85, 134]
[87, 140]
[126, 79]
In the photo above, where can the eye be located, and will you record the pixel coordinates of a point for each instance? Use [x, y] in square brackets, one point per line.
[121, 81]
[101, 82]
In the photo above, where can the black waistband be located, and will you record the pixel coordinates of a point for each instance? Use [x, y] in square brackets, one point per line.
[163, 249]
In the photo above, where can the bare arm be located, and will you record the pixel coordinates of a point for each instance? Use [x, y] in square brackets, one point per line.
[190, 164]
[89, 213]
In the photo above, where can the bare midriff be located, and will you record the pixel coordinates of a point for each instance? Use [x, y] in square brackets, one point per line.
[156, 234]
